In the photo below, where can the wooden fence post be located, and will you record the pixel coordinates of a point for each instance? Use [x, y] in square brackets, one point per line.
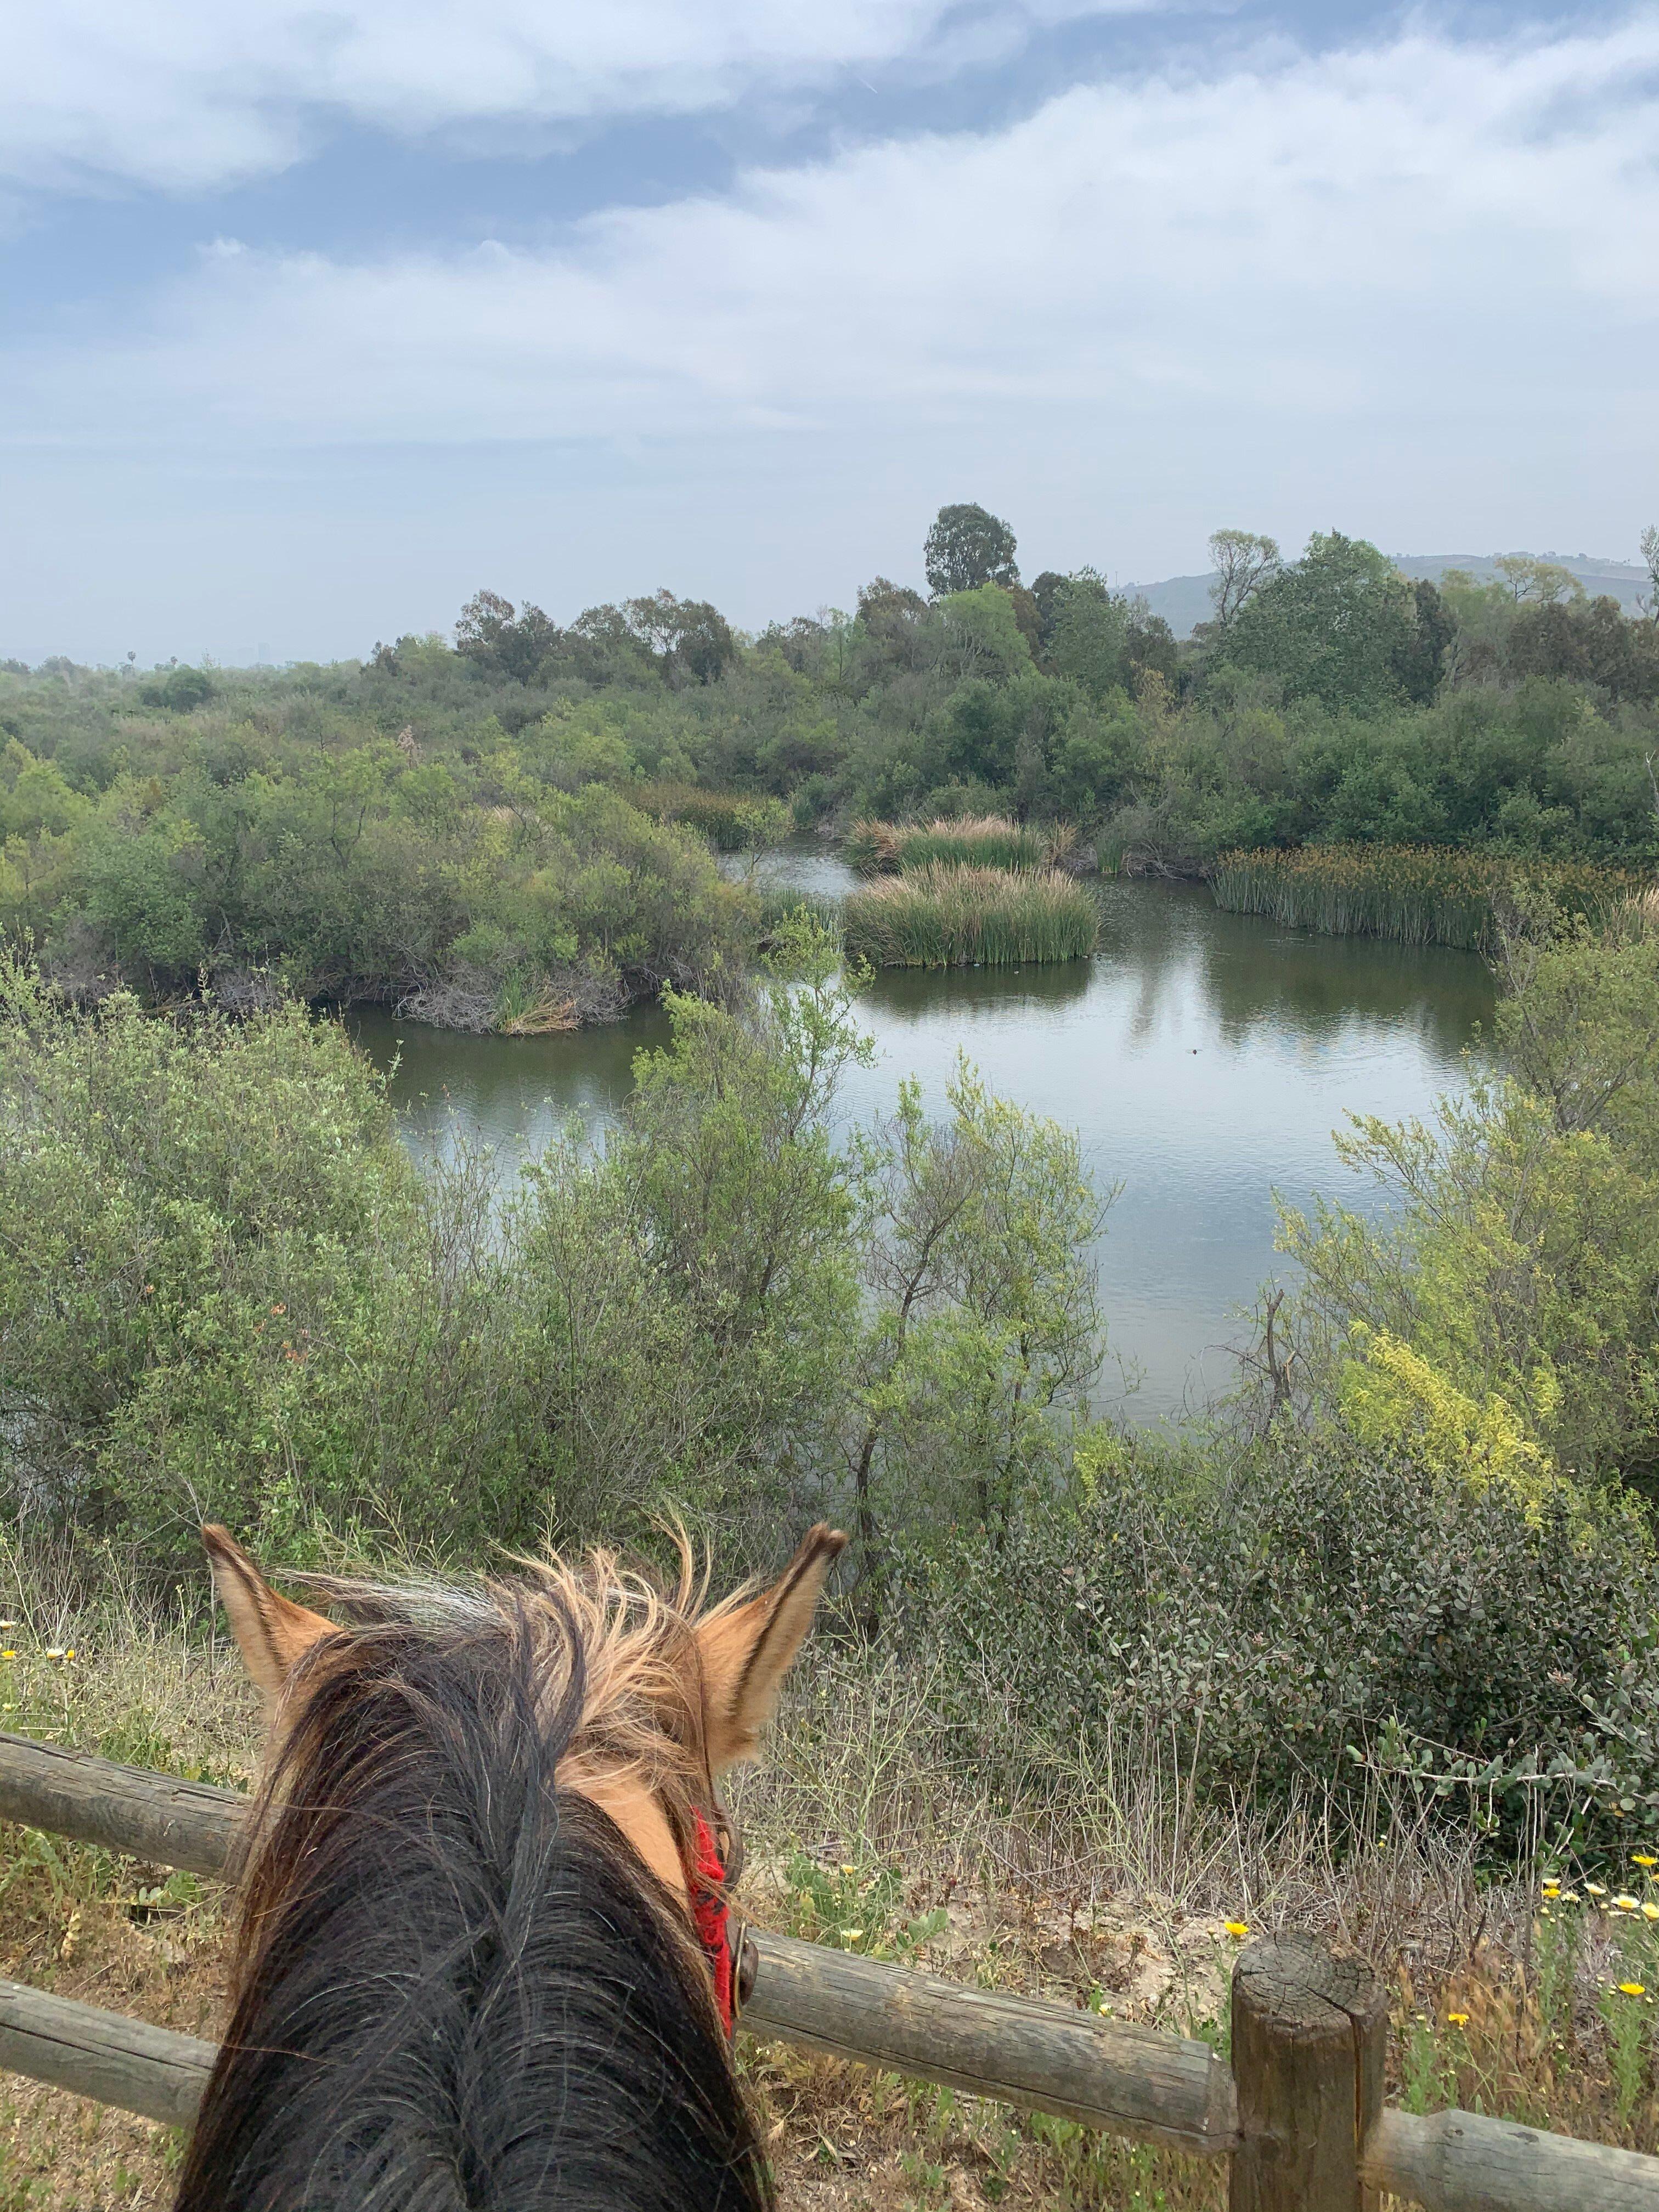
[1310, 2036]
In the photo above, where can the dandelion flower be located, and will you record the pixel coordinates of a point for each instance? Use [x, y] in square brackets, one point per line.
[1552, 1889]
[1651, 1911]
[1625, 1901]
[1457, 2019]
[1644, 1859]
[8, 1655]
[1633, 1989]
[1238, 1929]
[69, 1654]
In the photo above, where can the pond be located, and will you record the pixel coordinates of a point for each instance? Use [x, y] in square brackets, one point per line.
[1204, 1059]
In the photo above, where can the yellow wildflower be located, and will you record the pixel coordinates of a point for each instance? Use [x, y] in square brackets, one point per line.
[1633, 1989]
[1238, 1929]
[54, 1651]
[1595, 1889]
[1644, 1859]
[8, 1655]
[1625, 1901]
[1651, 1911]
[1457, 2019]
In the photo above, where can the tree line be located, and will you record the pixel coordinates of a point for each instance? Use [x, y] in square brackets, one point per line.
[482, 826]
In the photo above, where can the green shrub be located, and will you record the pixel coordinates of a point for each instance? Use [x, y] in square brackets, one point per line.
[1320, 1601]
[945, 917]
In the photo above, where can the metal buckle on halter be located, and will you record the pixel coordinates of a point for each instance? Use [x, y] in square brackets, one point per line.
[745, 1964]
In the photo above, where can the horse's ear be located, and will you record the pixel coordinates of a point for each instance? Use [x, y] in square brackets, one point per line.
[272, 1633]
[746, 1646]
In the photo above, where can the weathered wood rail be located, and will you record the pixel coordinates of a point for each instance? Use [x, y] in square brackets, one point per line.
[1299, 2112]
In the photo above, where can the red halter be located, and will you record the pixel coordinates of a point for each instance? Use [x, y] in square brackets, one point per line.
[712, 1915]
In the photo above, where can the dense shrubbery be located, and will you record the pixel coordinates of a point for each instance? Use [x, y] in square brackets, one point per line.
[1320, 1601]
[225, 1291]
[475, 890]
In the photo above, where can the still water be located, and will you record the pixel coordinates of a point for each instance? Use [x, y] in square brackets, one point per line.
[1204, 1059]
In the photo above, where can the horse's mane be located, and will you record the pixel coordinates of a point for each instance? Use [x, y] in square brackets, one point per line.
[458, 1984]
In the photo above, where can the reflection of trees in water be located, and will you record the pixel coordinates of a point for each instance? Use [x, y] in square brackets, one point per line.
[1317, 987]
[1164, 943]
[916, 994]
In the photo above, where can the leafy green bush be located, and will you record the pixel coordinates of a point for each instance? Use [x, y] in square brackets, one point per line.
[225, 1291]
[1320, 1601]
[477, 899]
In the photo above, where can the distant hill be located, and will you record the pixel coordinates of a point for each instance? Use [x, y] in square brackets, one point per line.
[1184, 601]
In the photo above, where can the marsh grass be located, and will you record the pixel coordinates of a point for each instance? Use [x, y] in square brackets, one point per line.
[952, 916]
[986, 841]
[732, 821]
[1419, 894]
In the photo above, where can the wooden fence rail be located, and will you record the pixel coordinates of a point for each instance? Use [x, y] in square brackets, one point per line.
[1299, 2113]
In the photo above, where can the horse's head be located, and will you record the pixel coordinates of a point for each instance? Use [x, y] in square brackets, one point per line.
[673, 1692]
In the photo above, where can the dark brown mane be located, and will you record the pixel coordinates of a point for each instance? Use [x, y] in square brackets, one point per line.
[458, 1985]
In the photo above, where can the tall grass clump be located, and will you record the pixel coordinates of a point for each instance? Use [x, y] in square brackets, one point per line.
[1419, 894]
[945, 917]
[732, 821]
[983, 841]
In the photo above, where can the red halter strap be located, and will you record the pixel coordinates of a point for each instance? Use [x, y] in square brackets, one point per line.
[705, 1883]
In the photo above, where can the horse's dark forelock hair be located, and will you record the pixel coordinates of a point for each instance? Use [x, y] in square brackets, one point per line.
[458, 1984]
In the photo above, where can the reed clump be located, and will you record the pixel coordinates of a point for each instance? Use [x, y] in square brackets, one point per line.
[1419, 894]
[944, 915]
[985, 841]
[732, 821]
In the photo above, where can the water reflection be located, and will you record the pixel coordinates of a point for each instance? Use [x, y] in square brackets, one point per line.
[1203, 1058]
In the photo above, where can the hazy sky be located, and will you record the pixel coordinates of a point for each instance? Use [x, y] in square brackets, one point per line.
[319, 317]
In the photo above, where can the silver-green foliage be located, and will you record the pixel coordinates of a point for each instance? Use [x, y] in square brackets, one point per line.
[226, 1293]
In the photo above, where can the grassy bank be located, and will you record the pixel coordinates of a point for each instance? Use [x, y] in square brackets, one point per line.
[1419, 894]
[953, 916]
[983, 841]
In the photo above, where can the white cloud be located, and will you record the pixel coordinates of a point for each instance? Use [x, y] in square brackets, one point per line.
[192, 94]
[1425, 230]
[1405, 291]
